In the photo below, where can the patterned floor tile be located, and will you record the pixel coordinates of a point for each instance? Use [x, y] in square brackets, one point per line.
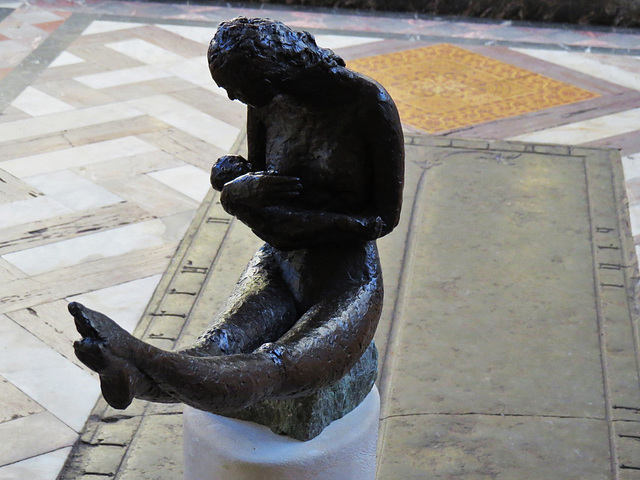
[49, 322]
[125, 301]
[592, 65]
[111, 243]
[30, 210]
[188, 180]
[105, 26]
[33, 435]
[15, 404]
[36, 103]
[587, 130]
[67, 120]
[41, 373]
[190, 120]
[442, 87]
[40, 467]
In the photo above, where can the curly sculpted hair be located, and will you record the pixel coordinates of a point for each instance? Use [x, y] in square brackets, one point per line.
[282, 52]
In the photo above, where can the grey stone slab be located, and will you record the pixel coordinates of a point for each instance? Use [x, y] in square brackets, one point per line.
[5, 12]
[444, 447]
[627, 438]
[499, 314]
[156, 452]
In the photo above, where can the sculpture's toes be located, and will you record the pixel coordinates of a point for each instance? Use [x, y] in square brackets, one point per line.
[91, 353]
[99, 327]
[115, 378]
[83, 321]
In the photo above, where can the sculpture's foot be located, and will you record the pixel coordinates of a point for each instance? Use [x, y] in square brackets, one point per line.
[99, 328]
[100, 349]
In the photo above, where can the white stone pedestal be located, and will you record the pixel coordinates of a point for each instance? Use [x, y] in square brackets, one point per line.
[221, 448]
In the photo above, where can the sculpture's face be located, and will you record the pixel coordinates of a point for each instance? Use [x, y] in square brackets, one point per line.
[245, 81]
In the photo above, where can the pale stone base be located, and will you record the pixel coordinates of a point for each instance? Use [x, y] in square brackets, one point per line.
[221, 448]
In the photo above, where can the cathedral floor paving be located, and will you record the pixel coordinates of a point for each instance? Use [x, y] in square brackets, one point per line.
[509, 338]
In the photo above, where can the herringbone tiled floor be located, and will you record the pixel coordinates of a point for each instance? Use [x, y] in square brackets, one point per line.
[109, 125]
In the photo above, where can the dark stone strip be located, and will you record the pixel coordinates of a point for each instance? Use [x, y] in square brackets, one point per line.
[32, 66]
[5, 12]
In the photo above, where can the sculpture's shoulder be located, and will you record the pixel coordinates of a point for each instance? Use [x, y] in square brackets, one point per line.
[366, 88]
[374, 102]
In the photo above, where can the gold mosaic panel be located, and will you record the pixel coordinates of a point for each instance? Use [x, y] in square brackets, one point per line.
[444, 87]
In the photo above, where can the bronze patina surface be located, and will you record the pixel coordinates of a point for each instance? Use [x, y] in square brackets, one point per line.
[322, 181]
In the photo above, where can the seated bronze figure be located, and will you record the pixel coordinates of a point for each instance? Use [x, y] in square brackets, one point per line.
[322, 181]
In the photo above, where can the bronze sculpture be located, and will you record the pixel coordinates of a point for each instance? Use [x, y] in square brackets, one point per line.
[323, 180]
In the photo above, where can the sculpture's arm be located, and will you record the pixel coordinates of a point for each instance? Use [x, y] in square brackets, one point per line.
[258, 201]
[290, 228]
[383, 132]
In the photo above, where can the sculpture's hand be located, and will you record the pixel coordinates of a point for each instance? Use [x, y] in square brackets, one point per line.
[259, 189]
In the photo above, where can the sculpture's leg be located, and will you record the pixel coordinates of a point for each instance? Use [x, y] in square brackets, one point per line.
[329, 338]
[259, 310]
[321, 347]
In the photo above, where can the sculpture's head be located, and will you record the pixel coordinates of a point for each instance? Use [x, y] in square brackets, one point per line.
[252, 58]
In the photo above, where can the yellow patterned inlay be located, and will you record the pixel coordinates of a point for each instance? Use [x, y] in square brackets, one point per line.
[444, 87]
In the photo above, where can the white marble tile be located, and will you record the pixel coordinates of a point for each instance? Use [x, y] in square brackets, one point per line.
[197, 34]
[72, 190]
[144, 51]
[66, 58]
[24, 33]
[189, 120]
[57, 122]
[87, 198]
[64, 389]
[103, 26]
[36, 103]
[42, 467]
[587, 64]
[196, 71]
[57, 182]
[634, 214]
[187, 179]
[124, 303]
[30, 210]
[105, 244]
[586, 130]
[34, 15]
[74, 157]
[122, 77]
[12, 52]
[152, 196]
[341, 41]
[631, 166]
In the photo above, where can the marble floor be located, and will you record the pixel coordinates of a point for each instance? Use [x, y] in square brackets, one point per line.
[110, 123]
